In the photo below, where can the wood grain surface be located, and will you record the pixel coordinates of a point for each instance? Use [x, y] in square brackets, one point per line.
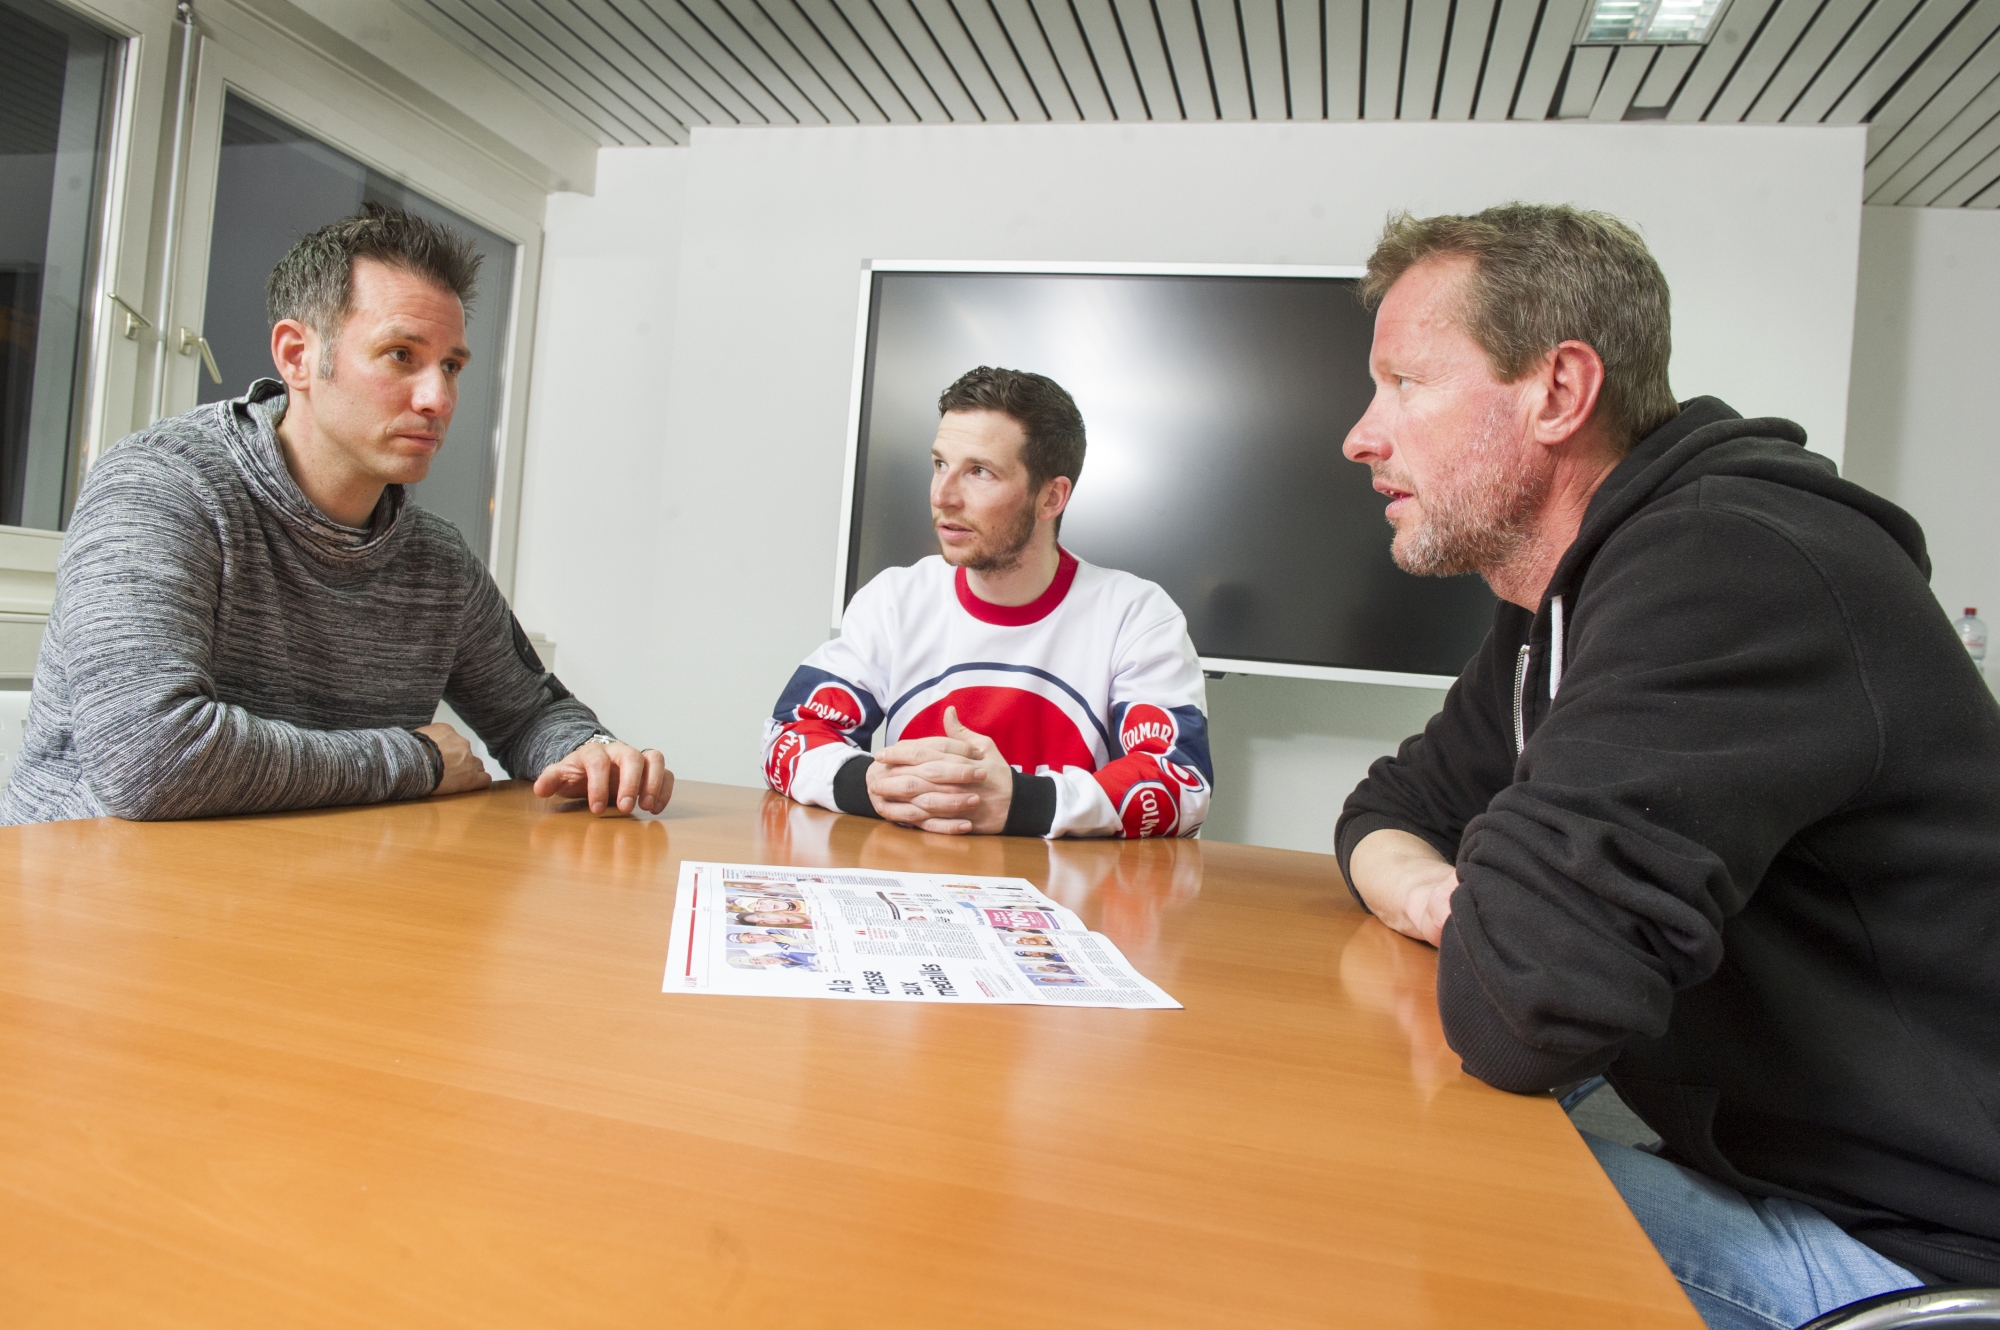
[411, 1066]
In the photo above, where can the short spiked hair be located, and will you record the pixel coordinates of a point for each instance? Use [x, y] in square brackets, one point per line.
[1545, 274]
[1045, 412]
[314, 282]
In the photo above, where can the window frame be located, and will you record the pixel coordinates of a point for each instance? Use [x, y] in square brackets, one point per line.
[300, 86]
[114, 363]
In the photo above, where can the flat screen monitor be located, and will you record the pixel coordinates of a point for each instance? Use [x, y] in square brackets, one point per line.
[1214, 402]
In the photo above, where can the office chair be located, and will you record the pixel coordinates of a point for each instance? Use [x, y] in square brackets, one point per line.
[1916, 1309]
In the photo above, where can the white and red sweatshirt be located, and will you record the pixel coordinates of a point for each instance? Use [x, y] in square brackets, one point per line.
[1092, 692]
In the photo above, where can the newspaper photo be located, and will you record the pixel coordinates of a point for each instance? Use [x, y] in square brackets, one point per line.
[890, 937]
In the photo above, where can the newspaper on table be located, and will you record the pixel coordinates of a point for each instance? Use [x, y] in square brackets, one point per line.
[890, 937]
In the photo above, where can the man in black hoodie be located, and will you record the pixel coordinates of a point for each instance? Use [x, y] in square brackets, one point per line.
[1715, 811]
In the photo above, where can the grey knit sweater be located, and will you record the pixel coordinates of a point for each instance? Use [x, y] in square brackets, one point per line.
[218, 645]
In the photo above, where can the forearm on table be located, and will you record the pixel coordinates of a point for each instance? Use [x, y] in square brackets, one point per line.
[803, 766]
[1388, 867]
[205, 758]
[551, 733]
[1135, 797]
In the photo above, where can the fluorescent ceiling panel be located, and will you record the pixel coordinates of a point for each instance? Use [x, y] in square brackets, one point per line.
[1666, 21]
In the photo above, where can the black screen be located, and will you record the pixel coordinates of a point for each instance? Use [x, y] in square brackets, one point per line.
[1215, 408]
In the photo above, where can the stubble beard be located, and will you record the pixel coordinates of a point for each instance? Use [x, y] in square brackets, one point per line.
[1001, 551]
[1482, 517]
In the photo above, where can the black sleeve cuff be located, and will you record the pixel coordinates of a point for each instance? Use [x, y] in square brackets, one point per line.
[1033, 811]
[1347, 836]
[850, 787]
[1349, 832]
[436, 756]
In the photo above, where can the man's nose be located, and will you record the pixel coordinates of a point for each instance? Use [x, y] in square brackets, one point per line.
[435, 394]
[1367, 442]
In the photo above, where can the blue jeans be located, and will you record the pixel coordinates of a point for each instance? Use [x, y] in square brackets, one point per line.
[1746, 1263]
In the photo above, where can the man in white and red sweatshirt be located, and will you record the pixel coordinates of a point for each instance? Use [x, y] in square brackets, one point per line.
[1025, 691]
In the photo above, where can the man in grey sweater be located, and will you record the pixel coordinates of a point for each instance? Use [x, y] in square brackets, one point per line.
[250, 616]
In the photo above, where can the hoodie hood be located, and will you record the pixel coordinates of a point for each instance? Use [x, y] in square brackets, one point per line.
[1707, 439]
[250, 424]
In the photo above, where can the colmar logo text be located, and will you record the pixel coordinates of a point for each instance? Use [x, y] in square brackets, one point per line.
[1149, 810]
[783, 763]
[834, 705]
[1148, 729]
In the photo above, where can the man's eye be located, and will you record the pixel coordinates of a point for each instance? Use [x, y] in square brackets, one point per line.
[1402, 381]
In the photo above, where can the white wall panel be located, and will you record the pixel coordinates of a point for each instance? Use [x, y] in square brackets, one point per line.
[1925, 404]
[594, 510]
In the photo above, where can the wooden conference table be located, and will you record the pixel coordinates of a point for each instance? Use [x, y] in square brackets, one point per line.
[411, 1066]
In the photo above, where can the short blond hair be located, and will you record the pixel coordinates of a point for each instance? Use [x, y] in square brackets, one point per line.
[1543, 274]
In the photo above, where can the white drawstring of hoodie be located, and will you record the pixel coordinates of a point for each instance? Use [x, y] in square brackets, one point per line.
[1521, 673]
[1555, 645]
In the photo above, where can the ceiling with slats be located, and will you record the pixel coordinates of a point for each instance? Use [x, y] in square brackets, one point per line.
[1923, 75]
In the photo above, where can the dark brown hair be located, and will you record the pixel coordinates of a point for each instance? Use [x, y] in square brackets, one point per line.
[1543, 274]
[1048, 415]
[314, 282]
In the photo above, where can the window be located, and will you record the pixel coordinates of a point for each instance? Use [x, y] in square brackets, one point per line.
[57, 78]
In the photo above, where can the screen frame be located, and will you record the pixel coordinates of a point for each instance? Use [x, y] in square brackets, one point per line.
[864, 311]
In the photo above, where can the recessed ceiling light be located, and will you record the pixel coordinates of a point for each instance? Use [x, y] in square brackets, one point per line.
[1665, 21]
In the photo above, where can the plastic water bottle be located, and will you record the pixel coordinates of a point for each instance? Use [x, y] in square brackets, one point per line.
[1972, 632]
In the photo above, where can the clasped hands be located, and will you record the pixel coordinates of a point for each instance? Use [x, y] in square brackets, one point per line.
[614, 777]
[957, 783]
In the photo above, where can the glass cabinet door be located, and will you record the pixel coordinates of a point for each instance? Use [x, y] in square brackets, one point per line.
[57, 78]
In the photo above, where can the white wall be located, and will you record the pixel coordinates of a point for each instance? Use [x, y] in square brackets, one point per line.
[1924, 408]
[598, 500]
[679, 539]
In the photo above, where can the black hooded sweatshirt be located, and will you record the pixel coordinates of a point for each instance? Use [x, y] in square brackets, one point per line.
[1726, 816]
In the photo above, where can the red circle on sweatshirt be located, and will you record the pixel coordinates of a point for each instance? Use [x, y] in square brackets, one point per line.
[1030, 730]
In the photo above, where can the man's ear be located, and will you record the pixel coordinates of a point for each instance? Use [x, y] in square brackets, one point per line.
[1055, 498]
[294, 348]
[1571, 380]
